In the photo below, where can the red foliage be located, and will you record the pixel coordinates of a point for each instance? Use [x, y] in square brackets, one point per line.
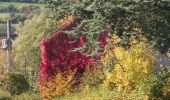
[102, 38]
[58, 57]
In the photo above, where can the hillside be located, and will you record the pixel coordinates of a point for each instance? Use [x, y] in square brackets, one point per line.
[17, 12]
[23, 1]
[17, 4]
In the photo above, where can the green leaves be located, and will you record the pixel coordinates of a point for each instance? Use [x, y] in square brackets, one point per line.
[26, 48]
[152, 17]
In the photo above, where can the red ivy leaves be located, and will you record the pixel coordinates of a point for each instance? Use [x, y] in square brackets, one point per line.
[57, 55]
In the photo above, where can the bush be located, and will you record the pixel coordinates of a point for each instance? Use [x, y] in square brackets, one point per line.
[94, 78]
[3, 75]
[58, 53]
[16, 84]
[161, 87]
[61, 84]
[125, 67]
[3, 59]
[61, 53]
[11, 8]
[3, 71]
[156, 86]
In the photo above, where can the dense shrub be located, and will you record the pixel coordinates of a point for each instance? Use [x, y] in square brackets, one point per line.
[94, 78]
[126, 67]
[61, 84]
[61, 52]
[57, 54]
[16, 83]
[161, 87]
[11, 8]
[3, 75]
[3, 59]
[156, 86]
[3, 70]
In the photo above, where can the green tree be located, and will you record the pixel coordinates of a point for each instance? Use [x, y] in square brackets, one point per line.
[150, 17]
[11, 8]
[26, 48]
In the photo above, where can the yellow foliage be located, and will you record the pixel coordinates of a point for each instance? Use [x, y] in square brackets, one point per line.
[61, 84]
[3, 58]
[65, 20]
[168, 53]
[3, 67]
[3, 75]
[125, 68]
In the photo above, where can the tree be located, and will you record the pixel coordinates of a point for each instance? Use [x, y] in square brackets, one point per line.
[11, 8]
[26, 48]
[148, 17]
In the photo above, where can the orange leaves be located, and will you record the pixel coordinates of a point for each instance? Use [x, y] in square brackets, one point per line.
[59, 85]
[66, 20]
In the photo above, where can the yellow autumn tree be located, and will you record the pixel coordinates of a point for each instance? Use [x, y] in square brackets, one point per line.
[126, 67]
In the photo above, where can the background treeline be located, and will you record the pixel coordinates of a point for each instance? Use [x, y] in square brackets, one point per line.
[17, 13]
[24, 1]
[8, 8]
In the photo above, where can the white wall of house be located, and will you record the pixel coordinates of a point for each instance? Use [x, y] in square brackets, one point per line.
[163, 62]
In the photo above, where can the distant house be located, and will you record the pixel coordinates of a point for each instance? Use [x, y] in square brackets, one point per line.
[3, 40]
[163, 62]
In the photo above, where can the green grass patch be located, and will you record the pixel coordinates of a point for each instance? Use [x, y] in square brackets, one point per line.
[4, 16]
[85, 94]
[102, 94]
[27, 96]
[3, 28]
[4, 95]
[19, 14]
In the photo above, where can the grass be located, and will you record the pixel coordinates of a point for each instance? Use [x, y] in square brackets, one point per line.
[89, 94]
[3, 28]
[99, 94]
[21, 14]
[25, 96]
[4, 16]
[4, 95]
[86, 94]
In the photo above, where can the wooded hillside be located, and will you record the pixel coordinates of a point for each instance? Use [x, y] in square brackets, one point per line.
[24, 1]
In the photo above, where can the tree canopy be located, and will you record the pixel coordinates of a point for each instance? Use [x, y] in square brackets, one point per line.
[125, 18]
